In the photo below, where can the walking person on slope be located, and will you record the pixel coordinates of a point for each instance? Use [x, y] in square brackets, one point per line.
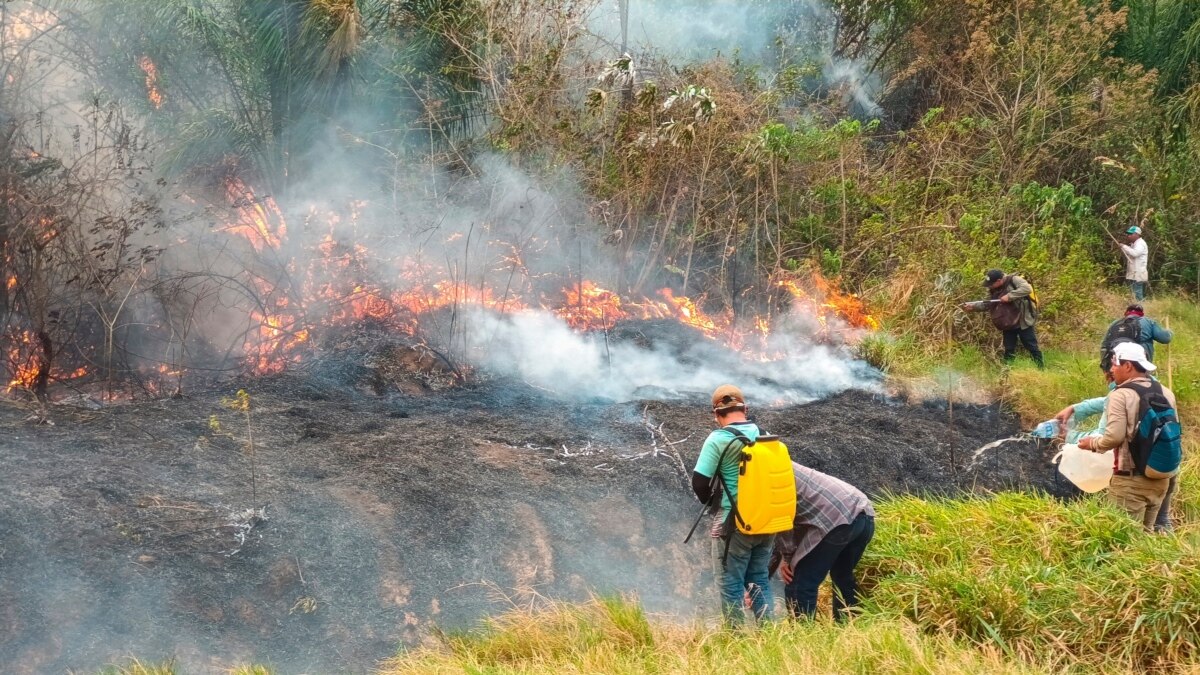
[745, 565]
[1134, 327]
[834, 523]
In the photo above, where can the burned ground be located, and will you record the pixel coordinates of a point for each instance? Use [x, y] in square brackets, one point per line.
[137, 530]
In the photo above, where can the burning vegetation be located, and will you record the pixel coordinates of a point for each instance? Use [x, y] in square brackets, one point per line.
[296, 297]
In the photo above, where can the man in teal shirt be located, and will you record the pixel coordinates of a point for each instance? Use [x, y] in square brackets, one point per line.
[745, 565]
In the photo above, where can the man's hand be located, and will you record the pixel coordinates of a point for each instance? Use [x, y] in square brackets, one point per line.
[785, 572]
[1064, 415]
[1005, 298]
[1087, 443]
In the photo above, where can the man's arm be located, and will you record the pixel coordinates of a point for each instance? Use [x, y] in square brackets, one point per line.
[1160, 334]
[706, 468]
[1021, 289]
[1129, 251]
[1092, 406]
[1116, 422]
[703, 487]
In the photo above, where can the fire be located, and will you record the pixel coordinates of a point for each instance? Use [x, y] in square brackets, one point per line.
[340, 281]
[259, 219]
[846, 307]
[279, 336]
[590, 307]
[153, 93]
[24, 364]
[686, 311]
[21, 362]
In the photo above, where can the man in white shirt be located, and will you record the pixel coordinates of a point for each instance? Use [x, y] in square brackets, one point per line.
[1136, 256]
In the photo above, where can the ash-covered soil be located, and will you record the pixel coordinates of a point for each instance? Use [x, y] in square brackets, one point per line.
[139, 531]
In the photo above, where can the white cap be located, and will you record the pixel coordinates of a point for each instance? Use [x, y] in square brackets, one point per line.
[1132, 351]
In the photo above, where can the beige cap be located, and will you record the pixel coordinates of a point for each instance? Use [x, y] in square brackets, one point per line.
[728, 397]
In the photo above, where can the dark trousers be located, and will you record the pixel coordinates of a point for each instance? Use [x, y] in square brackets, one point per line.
[1028, 337]
[836, 556]
[1163, 522]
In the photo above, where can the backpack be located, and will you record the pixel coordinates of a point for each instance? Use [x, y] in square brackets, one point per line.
[1128, 329]
[766, 488]
[1156, 446]
[1007, 316]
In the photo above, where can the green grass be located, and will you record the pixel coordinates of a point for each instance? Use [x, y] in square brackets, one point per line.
[589, 638]
[136, 667]
[1034, 576]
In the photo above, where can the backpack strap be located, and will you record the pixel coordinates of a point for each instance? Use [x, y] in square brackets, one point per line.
[733, 517]
[1144, 394]
[716, 480]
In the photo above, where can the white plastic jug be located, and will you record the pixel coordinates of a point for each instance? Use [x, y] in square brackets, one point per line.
[1089, 471]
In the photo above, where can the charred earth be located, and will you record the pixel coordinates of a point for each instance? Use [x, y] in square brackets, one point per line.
[370, 507]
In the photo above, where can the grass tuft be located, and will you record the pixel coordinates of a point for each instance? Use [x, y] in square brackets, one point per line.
[1033, 576]
[584, 639]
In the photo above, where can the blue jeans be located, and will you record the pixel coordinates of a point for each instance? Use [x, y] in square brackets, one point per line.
[744, 570]
[1138, 288]
[836, 556]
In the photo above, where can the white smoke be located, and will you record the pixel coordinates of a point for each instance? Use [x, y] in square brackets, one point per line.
[756, 32]
[539, 348]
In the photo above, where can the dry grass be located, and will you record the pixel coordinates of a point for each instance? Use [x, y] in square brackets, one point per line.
[608, 636]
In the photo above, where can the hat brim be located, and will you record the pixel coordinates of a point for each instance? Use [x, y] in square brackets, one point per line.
[1146, 365]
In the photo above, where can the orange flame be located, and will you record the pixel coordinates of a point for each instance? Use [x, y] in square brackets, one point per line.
[23, 363]
[832, 302]
[153, 93]
[590, 307]
[259, 219]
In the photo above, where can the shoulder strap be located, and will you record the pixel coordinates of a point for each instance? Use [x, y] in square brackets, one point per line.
[738, 437]
[1146, 396]
[716, 479]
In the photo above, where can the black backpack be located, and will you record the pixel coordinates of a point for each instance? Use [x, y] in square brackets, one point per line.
[1128, 329]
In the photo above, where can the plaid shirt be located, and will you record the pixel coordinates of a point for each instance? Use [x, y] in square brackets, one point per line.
[822, 503]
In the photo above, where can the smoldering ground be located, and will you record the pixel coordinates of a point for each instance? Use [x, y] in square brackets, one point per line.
[136, 530]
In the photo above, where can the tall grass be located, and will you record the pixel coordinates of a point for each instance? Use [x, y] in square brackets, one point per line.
[1035, 576]
[596, 638]
[1011, 583]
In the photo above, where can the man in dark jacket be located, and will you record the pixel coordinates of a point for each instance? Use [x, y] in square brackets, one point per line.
[1134, 327]
[1013, 312]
